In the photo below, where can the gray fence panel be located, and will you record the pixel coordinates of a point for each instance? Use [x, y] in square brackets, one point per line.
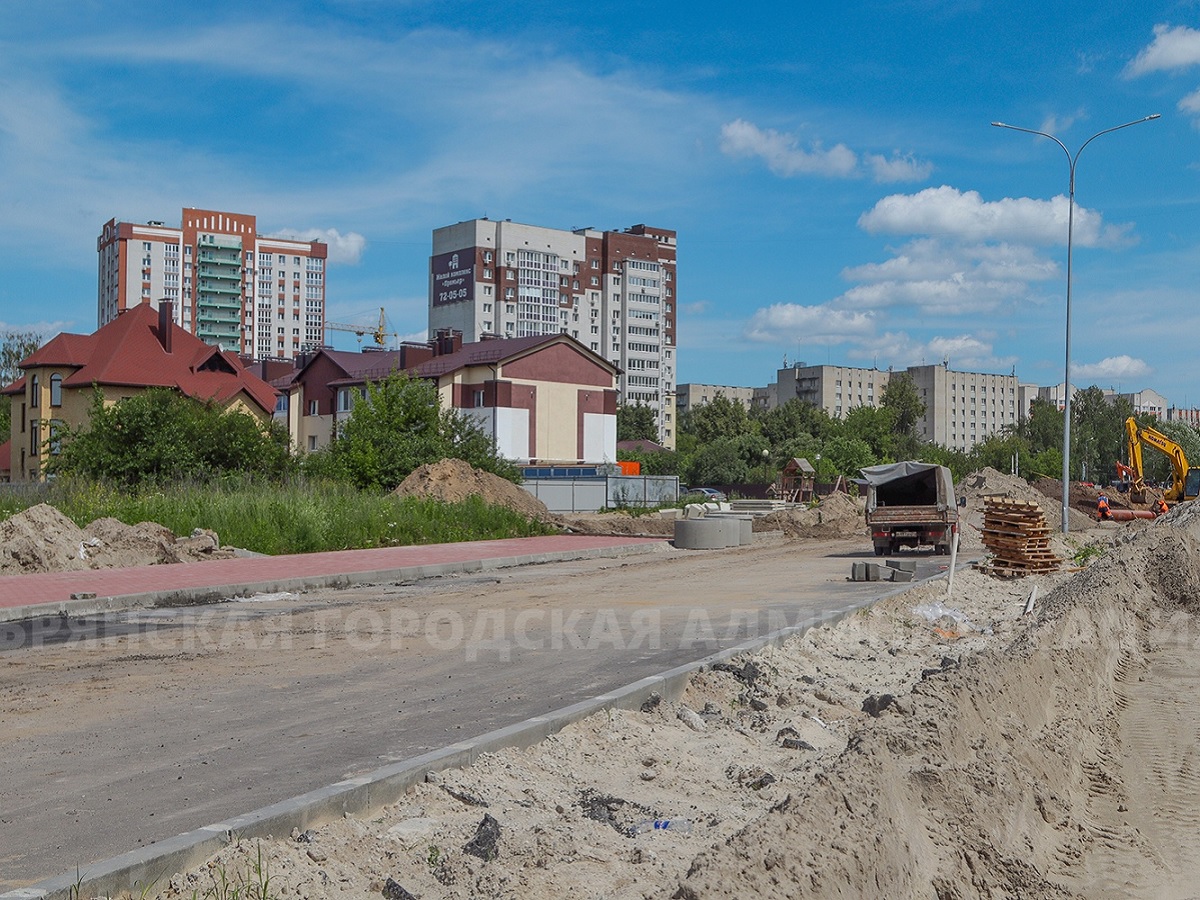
[565, 495]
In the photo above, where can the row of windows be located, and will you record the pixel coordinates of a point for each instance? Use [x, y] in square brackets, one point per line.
[35, 393]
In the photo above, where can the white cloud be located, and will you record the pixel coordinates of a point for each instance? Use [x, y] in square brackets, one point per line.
[787, 323]
[962, 352]
[697, 308]
[898, 168]
[1112, 368]
[965, 215]
[1172, 48]
[783, 156]
[346, 249]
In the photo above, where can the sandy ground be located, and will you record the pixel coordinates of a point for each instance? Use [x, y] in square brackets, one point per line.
[932, 746]
[939, 744]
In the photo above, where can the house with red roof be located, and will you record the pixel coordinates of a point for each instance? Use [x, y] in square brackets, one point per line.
[142, 348]
[545, 398]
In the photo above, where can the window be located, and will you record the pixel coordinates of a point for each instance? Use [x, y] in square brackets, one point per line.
[312, 442]
[312, 407]
[34, 392]
[477, 399]
[56, 390]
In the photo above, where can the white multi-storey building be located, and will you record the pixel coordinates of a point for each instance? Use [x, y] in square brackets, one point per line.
[258, 296]
[613, 291]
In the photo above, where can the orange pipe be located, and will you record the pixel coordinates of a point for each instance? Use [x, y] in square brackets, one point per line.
[1128, 515]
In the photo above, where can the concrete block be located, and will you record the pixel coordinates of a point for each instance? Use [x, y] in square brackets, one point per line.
[905, 565]
[873, 571]
[858, 571]
[901, 575]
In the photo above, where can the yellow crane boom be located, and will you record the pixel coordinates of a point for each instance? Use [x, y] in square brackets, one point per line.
[379, 333]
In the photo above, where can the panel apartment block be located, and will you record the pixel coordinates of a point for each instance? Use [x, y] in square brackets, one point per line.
[961, 408]
[613, 291]
[230, 286]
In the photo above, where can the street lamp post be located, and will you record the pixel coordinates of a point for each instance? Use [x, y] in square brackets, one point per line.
[1071, 161]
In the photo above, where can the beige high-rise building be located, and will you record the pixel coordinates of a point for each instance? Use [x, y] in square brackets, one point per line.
[230, 286]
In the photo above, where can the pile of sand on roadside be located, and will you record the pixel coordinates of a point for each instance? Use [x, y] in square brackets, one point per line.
[992, 482]
[619, 523]
[453, 480]
[836, 515]
[42, 539]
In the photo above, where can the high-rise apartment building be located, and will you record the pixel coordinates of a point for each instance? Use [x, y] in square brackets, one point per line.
[258, 296]
[614, 291]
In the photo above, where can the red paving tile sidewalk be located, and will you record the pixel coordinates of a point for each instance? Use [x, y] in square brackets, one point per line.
[274, 572]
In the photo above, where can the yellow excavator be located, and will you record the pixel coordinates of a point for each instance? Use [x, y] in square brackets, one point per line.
[1185, 480]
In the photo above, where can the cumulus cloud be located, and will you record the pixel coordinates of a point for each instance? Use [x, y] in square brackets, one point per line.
[787, 323]
[1172, 48]
[783, 156]
[1112, 368]
[965, 215]
[346, 249]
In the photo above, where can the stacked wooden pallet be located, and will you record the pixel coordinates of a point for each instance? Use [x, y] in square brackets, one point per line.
[1015, 532]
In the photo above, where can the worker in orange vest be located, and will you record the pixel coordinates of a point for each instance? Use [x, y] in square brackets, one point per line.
[1161, 508]
[1102, 510]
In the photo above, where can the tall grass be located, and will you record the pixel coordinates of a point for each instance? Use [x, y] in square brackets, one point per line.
[297, 517]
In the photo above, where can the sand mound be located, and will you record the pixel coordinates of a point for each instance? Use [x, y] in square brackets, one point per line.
[42, 539]
[452, 481]
[991, 482]
[836, 515]
[619, 523]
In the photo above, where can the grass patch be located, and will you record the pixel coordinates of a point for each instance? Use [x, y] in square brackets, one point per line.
[297, 517]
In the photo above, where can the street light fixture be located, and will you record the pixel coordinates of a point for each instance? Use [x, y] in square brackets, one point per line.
[1071, 161]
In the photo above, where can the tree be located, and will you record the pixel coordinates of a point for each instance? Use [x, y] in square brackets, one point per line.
[901, 399]
[719, 418]
[845, 455]
[793, 419]
[399, 426]
[1043, 428]
[14, 347]
[160, 435]
[876, 426]
[1097, 433]
[636, 423]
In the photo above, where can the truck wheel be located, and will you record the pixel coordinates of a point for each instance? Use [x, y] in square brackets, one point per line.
[880, 551]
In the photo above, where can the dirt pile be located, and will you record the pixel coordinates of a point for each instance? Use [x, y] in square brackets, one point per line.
[453, 480]
[989, 481]
[42, 539]
[619, 523]
[836, 515]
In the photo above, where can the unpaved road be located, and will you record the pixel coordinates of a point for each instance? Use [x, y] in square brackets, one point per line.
[148, 724]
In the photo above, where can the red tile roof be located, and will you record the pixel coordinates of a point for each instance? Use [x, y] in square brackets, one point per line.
[127, 352]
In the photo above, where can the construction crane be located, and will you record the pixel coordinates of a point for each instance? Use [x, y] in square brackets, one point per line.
[379, 332]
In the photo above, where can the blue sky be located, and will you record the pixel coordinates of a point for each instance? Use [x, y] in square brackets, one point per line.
[839, 194]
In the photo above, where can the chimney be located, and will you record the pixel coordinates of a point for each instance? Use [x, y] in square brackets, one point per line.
[447, 340]
[166, 321]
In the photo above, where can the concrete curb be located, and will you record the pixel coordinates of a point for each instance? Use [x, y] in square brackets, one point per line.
[196, 596]
[132, 872]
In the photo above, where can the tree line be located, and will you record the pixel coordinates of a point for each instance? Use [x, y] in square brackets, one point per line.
[722, 442]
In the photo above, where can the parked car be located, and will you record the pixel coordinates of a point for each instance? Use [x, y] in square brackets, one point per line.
[709, 495]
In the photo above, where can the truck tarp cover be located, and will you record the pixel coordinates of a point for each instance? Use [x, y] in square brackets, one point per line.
[908, 484]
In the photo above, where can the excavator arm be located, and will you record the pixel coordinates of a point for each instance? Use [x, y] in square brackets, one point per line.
[1185, 481]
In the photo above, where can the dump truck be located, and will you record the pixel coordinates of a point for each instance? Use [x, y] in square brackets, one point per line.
[910, 504]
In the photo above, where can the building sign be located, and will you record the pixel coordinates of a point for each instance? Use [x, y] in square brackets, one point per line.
[453, 278]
